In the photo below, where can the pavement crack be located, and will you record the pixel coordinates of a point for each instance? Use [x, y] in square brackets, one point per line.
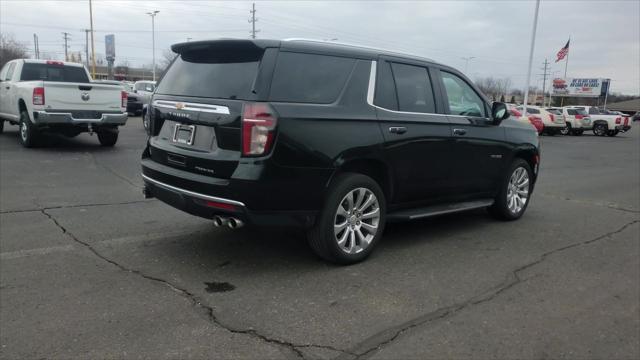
[608, 205]
[366, 348]
[195, 301]
[75, 206]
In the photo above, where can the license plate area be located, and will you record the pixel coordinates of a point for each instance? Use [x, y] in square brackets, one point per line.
[183, 134]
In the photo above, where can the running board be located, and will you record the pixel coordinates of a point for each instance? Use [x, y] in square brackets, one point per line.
[436, 210]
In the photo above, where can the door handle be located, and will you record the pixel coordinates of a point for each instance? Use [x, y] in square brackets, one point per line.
[397, 129]
[459, 132]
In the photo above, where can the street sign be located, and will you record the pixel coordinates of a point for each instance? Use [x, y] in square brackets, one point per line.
[110, 47]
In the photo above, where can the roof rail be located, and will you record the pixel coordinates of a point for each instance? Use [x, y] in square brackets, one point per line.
[353, 46]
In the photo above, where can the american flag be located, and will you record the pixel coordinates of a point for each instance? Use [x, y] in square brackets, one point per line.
[563, 52]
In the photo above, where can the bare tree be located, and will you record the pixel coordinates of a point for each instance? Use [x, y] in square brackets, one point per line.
[167, 58]
[11, 49]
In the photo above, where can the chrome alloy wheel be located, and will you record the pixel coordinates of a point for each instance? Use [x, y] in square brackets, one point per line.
[356, 220]
[518, 190]
[23, 131]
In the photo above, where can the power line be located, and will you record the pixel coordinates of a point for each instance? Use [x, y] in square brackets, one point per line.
[253, 21]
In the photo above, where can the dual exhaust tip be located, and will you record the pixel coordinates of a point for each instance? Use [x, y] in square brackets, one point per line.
[231, 222]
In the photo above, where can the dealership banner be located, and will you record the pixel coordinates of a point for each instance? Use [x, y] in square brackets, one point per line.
[579, 87]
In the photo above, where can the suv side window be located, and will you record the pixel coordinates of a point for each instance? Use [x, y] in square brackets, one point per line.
[10, 72]
[385, 93]
[413, 88]
[463, 100]
[309, 78]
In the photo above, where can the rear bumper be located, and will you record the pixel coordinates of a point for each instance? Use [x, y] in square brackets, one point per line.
[260, 194]
[207, 206]
[623, 128]
[46, 117]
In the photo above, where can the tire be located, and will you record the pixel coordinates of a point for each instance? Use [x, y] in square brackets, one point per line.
[566, 130]
[346, 246]
[578, 132]
[600, 129]
[1, 126]
[28, 134]
[502, 208]
[108, 138]
[613, 133]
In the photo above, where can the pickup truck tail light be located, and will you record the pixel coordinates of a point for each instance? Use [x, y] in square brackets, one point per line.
[552, 117]
[258, 129]
[38, 96]
[618, 120]
[579, 117]
[626, 121]
[123, 98]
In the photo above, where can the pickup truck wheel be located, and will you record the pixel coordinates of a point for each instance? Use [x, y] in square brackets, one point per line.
[578, 132]
[351, 221]
[108, 138]
[513, 198]
[29, 135]
[566, 130]
[600, 129]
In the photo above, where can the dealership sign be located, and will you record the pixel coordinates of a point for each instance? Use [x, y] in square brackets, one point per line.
[580, 87]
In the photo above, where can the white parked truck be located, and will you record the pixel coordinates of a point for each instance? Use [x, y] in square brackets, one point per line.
[54, 96]
[605, 122]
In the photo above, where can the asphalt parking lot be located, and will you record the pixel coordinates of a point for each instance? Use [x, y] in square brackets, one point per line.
[89, 269]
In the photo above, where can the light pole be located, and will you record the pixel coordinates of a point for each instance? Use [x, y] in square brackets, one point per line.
[466, 62]
[153, 39]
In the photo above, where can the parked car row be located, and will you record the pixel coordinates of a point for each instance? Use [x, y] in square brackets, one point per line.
[572, 120]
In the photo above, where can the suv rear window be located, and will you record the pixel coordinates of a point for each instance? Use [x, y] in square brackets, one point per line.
[309, 78]
[205, 72]
[52, 72]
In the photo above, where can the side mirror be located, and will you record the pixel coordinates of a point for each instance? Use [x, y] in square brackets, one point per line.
[499, 112]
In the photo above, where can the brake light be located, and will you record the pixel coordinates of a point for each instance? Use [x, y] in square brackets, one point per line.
[123, 98]
[626, 121]
[579, 117]
[258, 129]
[618, 120]
[553, 118]
[53, 62]
[38, 96]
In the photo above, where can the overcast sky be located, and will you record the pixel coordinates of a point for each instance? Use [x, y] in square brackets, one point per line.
[605, 35]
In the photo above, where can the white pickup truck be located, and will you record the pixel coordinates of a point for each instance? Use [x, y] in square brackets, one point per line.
[605, 122]
[54, 96]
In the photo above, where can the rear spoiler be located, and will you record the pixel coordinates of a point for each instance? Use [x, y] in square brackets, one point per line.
[224, 45]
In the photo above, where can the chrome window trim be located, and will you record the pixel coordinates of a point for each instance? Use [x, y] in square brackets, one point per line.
[371, 95]
[206, 108]
[191, 193]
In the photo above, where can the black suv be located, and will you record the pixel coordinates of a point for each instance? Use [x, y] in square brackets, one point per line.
[336, 139]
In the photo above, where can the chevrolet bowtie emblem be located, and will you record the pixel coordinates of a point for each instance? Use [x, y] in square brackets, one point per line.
[179, 106]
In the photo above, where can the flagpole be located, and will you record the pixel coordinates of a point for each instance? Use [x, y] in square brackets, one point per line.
[566, 64]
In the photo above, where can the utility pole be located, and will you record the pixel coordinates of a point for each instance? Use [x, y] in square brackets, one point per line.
[253, 21]
[65, 36]
[544, 80]
[36, 50]
[153, 39]
[86, 45]
[466, 63]
[93, 48]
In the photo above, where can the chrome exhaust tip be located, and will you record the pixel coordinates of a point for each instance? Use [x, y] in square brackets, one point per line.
[235, 223]
[220, 221]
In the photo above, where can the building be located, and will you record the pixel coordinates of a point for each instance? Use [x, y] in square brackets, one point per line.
[123, 73]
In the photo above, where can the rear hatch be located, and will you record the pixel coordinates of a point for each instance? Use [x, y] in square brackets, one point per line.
[196, 111]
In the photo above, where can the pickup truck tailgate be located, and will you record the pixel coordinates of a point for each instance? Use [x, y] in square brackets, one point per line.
[82, 96]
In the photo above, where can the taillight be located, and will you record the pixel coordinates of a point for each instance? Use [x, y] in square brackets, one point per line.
[38, 96]
[579, 117]
[54, 62]
[123, 98]
[618, 120]
[626, 121]
[515, 113]
[553, 118]
[258, 129]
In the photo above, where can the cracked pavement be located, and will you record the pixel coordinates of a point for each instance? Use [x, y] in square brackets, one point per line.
[90, 269]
